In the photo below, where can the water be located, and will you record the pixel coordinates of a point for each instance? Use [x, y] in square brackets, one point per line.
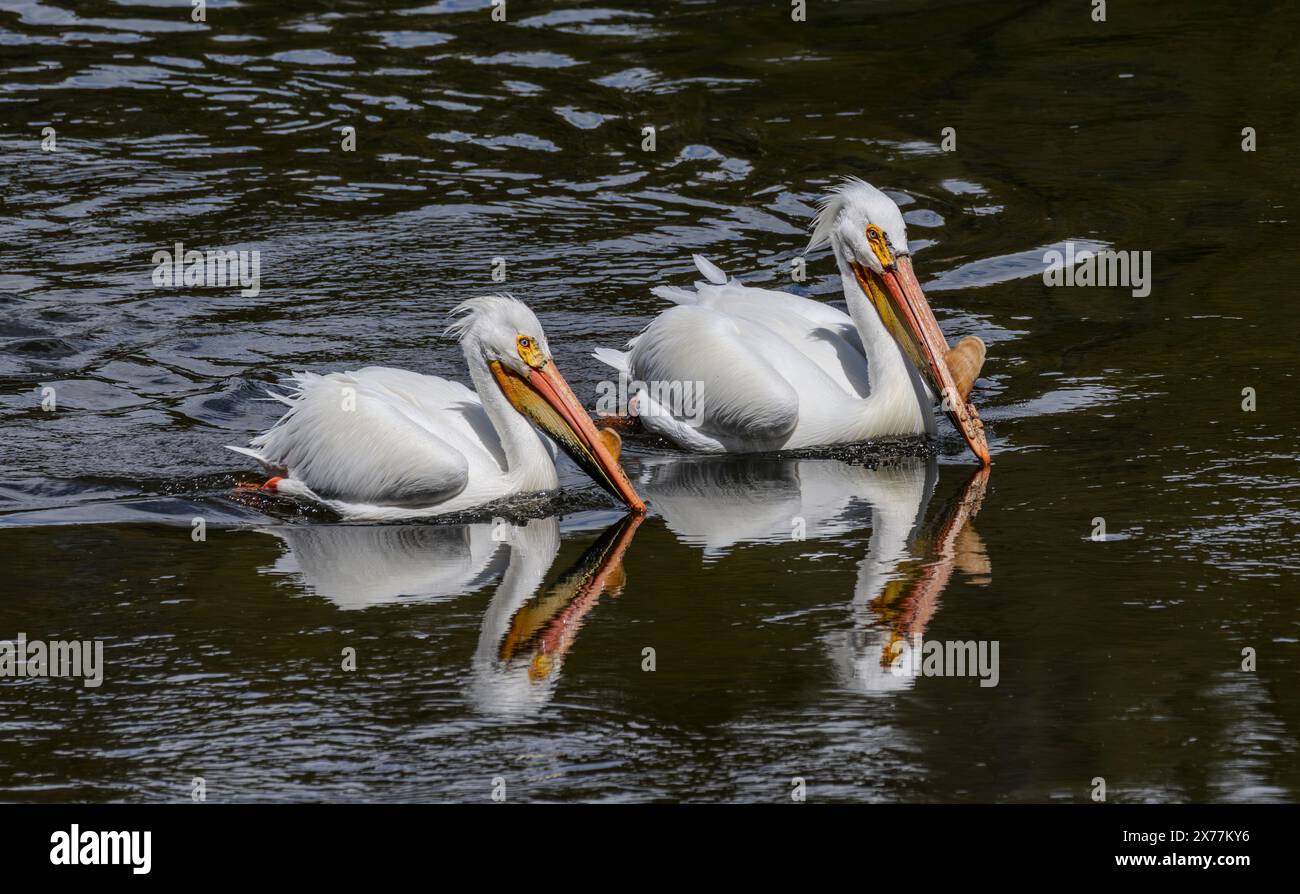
[523, 658]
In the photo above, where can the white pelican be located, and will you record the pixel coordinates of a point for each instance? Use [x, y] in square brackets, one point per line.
[776, 371]
[383, 444]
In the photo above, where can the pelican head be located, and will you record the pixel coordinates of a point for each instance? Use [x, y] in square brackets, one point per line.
[505, 335]
[865, 229]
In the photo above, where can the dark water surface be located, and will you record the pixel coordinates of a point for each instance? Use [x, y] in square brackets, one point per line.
[520, 656]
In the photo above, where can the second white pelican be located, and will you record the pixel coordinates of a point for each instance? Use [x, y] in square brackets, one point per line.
[776, 371]
[383, 444]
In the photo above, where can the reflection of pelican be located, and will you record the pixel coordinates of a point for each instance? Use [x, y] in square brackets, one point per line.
[778, 371]
[523, 637]
[383, 443]
[357, 566]
[718, 502]
[900, 582]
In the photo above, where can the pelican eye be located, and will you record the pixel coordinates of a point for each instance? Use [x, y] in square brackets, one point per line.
[879, 243]
[529, 351]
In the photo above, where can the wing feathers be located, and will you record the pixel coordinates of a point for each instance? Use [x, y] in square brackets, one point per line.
[739, 394]
[351, 437]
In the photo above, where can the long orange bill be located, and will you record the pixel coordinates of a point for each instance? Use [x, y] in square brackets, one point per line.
[546, 398]
[907, 315]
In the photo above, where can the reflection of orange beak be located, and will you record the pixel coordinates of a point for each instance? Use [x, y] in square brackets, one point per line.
[548, 624]
[906, 314]
[546, 399]
[909, 602]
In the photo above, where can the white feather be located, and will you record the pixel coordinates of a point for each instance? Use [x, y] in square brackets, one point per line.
[675, 294]
[619, 360]
[711, 271]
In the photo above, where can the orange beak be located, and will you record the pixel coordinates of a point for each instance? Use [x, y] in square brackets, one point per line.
[544, 397]
[906, 313]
